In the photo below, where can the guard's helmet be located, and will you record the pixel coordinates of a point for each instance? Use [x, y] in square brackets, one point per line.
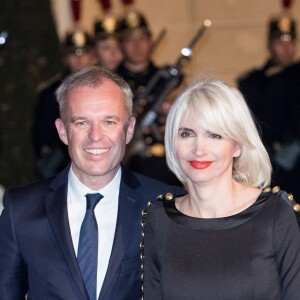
[77, 42]
[133, 21]
[283, 27]
[107, 28]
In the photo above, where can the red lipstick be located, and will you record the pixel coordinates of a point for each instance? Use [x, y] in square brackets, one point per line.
[200, 164]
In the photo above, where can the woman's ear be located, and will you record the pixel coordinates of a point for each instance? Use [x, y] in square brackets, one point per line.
[238, 150]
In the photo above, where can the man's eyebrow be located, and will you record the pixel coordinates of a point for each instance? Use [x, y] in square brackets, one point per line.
[73, 119]
[114, 117]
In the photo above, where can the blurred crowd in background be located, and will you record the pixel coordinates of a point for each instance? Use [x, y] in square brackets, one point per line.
[125, 44]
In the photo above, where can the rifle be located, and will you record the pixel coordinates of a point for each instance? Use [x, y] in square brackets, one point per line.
[165, 80]
[148, 103]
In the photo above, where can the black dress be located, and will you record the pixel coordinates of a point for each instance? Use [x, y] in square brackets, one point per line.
[254, 254]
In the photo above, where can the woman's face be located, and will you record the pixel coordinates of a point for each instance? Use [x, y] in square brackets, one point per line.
[204, 156]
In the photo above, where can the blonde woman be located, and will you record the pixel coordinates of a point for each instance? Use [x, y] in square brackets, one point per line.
[230, 237]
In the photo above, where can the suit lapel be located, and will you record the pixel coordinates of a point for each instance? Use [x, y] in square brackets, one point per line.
[56, 207]
[128, 217]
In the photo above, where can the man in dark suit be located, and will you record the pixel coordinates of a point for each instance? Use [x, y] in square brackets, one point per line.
[41, 226]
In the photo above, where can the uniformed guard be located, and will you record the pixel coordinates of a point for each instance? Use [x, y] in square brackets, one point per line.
[107, 45]
[146, 152]
[137, 68]
[77, 53]
[273, 95]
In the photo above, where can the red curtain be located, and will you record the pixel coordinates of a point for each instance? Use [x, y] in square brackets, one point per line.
[127, 2]
[76, 9]
[106, 5]
[286, 3]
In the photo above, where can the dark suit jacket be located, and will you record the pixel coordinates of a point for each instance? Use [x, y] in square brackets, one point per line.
[36, 249]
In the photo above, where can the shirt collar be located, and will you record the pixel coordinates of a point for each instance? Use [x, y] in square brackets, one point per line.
[78, 188]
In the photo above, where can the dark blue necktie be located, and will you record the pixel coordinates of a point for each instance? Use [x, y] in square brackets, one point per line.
[87, 255]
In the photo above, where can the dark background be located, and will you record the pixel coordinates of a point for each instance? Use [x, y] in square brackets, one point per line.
[29, 57]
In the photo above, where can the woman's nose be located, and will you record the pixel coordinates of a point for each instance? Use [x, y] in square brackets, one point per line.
[199, 147]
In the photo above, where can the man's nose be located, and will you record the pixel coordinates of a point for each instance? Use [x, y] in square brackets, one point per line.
[96, 132]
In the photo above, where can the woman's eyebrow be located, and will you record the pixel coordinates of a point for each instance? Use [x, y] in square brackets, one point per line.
[185, 129]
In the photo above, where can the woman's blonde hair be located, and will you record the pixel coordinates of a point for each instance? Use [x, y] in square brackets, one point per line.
[220, 109]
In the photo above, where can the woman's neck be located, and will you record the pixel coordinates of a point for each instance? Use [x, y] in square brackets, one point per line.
[217, 201]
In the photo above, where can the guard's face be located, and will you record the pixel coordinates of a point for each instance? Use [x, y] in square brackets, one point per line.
[109, 53]
[137, 47]
[204, 157]
[96, 132]
[76, 62]
[283, 52]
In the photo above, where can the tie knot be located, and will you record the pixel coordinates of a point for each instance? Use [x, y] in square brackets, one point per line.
[92, 200]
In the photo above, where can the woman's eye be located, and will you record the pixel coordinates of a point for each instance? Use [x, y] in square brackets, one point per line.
[186, 134]
[215, 136]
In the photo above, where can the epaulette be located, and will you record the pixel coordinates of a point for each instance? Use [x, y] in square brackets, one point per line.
[274, 70]
[288, 197]
[45, 84]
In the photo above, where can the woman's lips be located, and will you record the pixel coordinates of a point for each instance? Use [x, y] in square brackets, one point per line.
[200, 164]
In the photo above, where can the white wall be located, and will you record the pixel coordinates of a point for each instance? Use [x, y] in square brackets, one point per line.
[234, 43]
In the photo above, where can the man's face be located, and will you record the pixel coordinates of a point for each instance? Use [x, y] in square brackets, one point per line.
[76, 62]
[109, 53]
[96, 131]
[283, 52]
[136, 47]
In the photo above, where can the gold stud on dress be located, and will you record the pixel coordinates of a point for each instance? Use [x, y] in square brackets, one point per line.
[275, 189]
[169, 196]
[267, 189]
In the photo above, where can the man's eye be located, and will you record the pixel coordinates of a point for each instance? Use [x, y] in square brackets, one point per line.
[110, 122]
[81, 123]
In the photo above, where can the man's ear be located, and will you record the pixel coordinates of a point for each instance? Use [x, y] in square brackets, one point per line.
[130, 130]
[61, 130]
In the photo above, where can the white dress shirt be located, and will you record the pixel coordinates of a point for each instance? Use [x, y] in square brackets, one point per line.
[106, 212]
[2, 190]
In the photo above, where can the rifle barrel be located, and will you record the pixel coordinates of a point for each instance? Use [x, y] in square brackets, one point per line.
[201, 30]
[187, 52]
